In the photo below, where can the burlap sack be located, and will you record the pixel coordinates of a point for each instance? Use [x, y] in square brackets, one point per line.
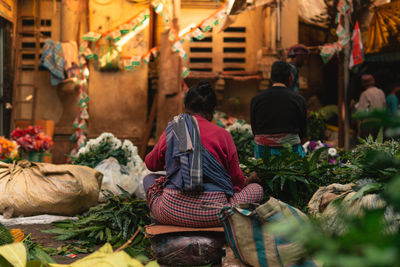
[325, 195]
[323, 205]
[29, 188]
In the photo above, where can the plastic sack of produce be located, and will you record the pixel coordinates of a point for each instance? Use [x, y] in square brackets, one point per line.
[115, 176]
[118, 161]
[29, 188]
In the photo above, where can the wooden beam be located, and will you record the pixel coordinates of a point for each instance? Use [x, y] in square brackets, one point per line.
[341, 103]
[169, 85]
[149, 125]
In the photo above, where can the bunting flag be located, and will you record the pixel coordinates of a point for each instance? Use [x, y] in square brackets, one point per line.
[177, 47]
[134, 24]
[357, 55]
[91, 36]
[160, 10]
[126, 28]
[155, 51]
[343, 37]
[328, 51]
[198, 34]
[185, 72]
[146, 58]
[127, 63]
[131, 62]
[206, 26]
[81, 121]
[344, 7]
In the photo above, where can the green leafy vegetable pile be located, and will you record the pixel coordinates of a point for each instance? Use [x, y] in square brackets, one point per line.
[114, 222]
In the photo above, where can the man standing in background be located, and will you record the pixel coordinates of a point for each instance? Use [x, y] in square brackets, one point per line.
[372, 97]
[278, 115]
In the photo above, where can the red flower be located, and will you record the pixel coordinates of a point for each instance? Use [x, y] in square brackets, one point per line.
[32, 139]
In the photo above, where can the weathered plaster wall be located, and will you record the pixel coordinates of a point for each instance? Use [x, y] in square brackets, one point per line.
[290, 23]
[118, 100]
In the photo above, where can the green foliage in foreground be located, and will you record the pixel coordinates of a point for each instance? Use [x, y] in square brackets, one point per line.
[366, 242]
[368, 239]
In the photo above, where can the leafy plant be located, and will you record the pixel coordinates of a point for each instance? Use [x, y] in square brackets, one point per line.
[114, 222]
[293, 178]
[243, 139]
[35, 252]
[316, 126]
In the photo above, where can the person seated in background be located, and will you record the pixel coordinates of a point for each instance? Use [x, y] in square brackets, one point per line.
[392, 102]
[278, 115]
[201, 166]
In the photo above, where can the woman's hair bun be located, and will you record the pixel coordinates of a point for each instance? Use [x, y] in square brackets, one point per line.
[204, 88]
[201, 98]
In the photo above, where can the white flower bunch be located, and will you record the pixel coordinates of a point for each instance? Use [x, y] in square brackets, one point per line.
[239, 127]
[94, 143]
[332, 152]
[135, 162]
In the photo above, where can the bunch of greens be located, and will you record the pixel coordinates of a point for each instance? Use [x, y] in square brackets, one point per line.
[114, 222]
[5, 236]
[316, 122]
[292, 178]
[316, 126]
[35, 252]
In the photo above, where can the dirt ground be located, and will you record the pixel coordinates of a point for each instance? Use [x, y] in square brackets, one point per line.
[46, 240]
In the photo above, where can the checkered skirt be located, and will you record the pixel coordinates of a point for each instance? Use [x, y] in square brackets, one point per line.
[174, 207]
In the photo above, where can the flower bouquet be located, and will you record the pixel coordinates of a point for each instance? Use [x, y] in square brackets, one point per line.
[118, 161]
[8, 150]
[33, 141]
[332, 153]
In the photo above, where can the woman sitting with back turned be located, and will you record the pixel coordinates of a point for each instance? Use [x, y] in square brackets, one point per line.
[202, 167]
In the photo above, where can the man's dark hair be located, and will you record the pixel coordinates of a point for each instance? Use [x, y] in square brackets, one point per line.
[280, 72]
[201, 99]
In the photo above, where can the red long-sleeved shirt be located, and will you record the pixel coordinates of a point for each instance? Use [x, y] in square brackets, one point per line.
[216, 140]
